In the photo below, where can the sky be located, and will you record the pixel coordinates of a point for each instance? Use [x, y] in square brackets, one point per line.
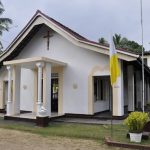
[90, 18]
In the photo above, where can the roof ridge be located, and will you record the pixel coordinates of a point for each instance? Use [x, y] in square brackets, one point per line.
[74, 33]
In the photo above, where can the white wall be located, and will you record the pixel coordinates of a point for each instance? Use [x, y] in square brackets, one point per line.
[27, 90]
[80, 63]
[3, 74]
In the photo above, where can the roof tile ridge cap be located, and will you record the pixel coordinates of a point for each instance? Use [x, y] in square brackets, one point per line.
[62, 25]
[38, 11]
[94, 42]
[127, 50]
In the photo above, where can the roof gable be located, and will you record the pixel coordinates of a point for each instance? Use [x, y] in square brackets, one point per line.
[38, 20]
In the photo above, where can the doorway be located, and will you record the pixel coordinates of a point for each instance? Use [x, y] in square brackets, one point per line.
[54, 94]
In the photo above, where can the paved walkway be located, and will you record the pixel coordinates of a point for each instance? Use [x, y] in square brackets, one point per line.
[67, 120]
[88, 121]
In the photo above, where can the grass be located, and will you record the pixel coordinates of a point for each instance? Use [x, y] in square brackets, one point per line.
[93, 132]
[80, 131]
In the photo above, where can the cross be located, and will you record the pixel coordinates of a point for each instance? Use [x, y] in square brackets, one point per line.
[48, 36]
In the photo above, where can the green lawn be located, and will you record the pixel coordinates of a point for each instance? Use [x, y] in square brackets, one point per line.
[81, 131]
[93, 132]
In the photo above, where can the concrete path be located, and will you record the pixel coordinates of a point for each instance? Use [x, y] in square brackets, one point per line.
[87, 121]
[67, 120]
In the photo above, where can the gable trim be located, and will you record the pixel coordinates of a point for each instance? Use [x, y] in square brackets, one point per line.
[40, 18]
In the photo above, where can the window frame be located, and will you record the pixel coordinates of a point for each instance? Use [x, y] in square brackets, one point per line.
[100, 83]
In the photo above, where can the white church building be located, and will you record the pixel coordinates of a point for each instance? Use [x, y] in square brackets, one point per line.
[50, 68]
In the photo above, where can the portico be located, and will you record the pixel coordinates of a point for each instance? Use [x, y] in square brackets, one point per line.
[40, 69]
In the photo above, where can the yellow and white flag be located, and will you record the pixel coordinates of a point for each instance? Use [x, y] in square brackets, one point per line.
[114, 65]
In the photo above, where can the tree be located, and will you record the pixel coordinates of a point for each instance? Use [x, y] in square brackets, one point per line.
[126, 44]
[117, 39]
[4, 23]
[102, 41]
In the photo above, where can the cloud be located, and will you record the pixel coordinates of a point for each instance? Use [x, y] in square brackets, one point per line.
[93, 19]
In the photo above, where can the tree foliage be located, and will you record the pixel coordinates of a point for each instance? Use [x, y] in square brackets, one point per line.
[123, 43]
[126, 44]
[117, 39]
[102, 41]
[4, 23]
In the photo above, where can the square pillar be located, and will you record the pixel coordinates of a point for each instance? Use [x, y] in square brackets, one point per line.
[35, 89]
[16, 89]
[118, 100]
[138, 90]
[47, 88]
[2, 103]
[148, 90]
[130, 74]
[145, 91]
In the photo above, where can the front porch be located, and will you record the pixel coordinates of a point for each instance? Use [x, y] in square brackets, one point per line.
[125, 96]
[31, 88]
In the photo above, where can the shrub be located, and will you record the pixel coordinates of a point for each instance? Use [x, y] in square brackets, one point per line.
[136, 121]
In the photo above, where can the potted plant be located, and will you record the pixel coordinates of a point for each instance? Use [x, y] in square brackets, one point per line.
[136, 122]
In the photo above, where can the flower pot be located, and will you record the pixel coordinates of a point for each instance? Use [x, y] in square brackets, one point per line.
[135, 137]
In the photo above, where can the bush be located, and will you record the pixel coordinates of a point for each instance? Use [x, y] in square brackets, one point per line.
[136, 121]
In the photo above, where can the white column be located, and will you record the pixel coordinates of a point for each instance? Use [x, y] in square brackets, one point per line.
[47, 88]
[148, 91]
[138, 90]
[39, 100]
[118, 98]
[2, 91]
[130, 74]
[16, 89]
[145, 93]
[9, 102]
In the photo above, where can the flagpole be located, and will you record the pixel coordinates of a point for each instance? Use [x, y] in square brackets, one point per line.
[142, 55]
[114, 74]
[112, 114]
[111, 90]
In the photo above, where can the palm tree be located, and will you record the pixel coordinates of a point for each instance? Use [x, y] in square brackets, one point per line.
[117, 40]
[4, 23]
[126, 44]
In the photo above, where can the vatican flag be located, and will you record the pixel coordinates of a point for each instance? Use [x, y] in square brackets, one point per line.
[114, 65]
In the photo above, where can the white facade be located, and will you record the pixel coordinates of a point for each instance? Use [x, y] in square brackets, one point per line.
[27, 90]
[83, 61]
[79, 64]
